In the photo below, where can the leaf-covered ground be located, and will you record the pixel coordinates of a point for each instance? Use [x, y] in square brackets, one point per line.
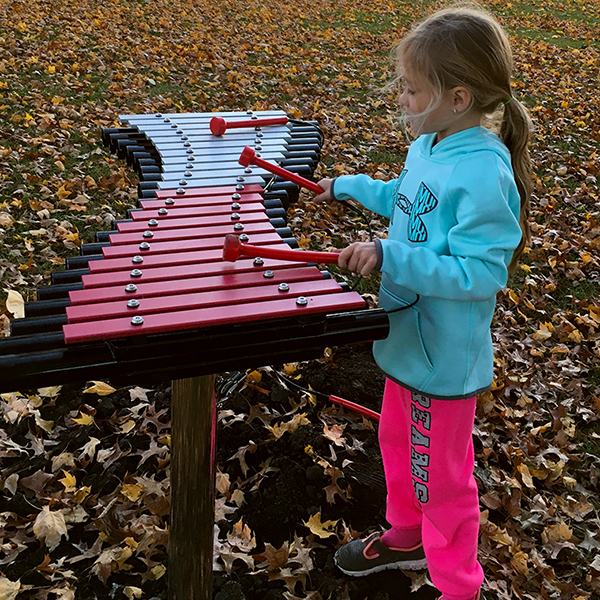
[84, 478]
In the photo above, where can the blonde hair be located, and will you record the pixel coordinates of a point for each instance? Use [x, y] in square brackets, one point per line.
[468, 47]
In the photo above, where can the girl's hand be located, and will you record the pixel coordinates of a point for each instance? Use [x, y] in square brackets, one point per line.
[326, 194]
[360, 257]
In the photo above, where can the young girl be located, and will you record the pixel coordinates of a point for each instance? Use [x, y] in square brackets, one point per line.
[458, 223]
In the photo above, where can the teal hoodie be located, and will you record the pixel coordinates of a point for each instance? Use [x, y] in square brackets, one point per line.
[454, 225]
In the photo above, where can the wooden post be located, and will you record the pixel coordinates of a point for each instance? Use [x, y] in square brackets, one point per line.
[193, 432]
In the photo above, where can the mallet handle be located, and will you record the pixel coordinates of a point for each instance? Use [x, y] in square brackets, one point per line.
[367, 412]
[285, 254]
[218, 125]
[277, 170]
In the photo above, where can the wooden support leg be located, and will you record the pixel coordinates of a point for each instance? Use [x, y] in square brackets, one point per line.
[193, 430]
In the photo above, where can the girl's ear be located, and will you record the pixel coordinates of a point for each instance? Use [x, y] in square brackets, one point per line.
[461, 99]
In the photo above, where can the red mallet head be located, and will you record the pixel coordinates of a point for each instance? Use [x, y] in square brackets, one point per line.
[218, 126]
[247, 156]
[231, 247]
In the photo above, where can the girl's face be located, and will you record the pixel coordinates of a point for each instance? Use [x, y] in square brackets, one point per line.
[425, 112]
[449, 113]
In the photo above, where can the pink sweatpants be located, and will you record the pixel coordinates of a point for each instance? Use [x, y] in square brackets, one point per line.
[428, 456]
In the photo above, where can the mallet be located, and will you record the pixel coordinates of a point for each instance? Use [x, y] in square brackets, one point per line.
[248, 157]
[233, 249]
[218, 125]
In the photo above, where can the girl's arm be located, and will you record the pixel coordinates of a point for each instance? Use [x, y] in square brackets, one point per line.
[373, 194]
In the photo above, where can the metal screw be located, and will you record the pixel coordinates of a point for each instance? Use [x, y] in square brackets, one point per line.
[152, 222]
[259, 134]
[147, 234]
[239, 187]
[189, 151]
[144, 246]
[187, 144]
[235, 216]
[158, 115]
[254, 117]
[257, 128]
[137, 260]
[257, 154]
[192, 158]
[180, 191]
[189, 166]
[240, 178]
[163, 211]
[301, 301]
[238, 227]
[248, 112]
[188, 174]
[169, 201]
[258, 147]
[247, 170]
[137, 320]
[236, 206]
[268, 274]
[167, 120]
[184, 137]
[236, 196]
[183, 182]
[131, 287]
[179, 131]
[133, 304]
[244, 238]
[284, 287]
[258, 262]
[136, 273]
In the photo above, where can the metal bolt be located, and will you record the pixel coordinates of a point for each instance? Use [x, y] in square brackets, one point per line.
[259, 134]
[136, 273]
[244, 238]
[284, 287]
[254, 117]
[238, 227]
[179, 131]
[187, 144]
[180, 191]
[163, 211]
[248, 112]
[189, 151]
[188, 174]
[236, 196]
[167, 120]
[192, 158]
[247, 170]
[268, 274]
[239, 187]
[169, 201]
[257, 147]
[137, 259]
[240, 178]
[301, 301]
[184, 137]
[133, 304]
[147, 234]
[235, 216]
[189, 166]
[258, 262]
[236, 206]
[152, 222]
[137, 320]
[257, 154]
[183, 182]
[257, 128]
[144, 246]
[131, 287]
[158, 115]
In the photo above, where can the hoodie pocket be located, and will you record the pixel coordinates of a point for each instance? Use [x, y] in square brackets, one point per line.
[405, 334]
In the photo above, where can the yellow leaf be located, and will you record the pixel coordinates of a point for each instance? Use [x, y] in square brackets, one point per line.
[6, 220]
[320, 529]
[158, 571]
[519, 563]
[289, 369]
[63, 193]
[85, 419]
[127, 427]
[69, 481]
[100, 388]
[9, 589]
[49, 527]
[254, 377]
[15, 304]
[132, 491]
[51, 69]
[132, 592]
[526, 476]
[49, 392]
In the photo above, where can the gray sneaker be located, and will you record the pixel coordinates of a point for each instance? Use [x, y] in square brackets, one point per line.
[371, 555]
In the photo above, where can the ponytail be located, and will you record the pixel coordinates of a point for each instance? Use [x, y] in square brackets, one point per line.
[515, 132]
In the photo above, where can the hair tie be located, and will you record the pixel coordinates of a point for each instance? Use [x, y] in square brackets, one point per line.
[508, 101]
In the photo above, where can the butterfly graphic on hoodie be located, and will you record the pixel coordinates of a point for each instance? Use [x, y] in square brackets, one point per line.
[423, 203]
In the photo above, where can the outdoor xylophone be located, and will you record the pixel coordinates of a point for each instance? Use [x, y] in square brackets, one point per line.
[155, 298]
